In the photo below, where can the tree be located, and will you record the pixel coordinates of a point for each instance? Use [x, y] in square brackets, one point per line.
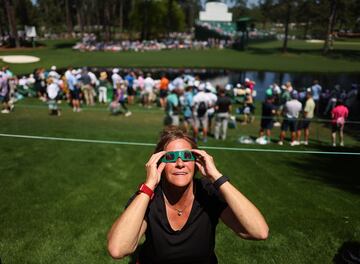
[69, 22]
[288, 7]
[151, 26]
[10, 10]
[191, 10]
[330, 28]
[266, 7]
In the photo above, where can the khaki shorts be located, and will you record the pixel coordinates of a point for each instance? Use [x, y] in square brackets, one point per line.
[201, 121]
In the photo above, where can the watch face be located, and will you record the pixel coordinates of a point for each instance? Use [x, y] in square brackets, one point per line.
[172, 156]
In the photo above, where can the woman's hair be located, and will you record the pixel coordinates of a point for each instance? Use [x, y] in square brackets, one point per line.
[172, 133]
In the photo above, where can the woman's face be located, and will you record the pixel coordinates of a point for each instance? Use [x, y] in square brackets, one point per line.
[179, 173]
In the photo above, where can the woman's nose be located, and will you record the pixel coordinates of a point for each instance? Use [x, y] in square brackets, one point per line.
[179, 163]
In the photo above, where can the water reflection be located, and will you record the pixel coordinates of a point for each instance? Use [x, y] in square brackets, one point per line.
[299, 80]
[262, 78]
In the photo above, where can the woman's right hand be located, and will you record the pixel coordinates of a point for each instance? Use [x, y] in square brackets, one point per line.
[153, 172]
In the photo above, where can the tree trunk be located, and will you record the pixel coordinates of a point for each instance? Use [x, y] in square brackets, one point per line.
[80, 21]
[170, 17]
[287, 22]
[191, 14]
[87, 14]
[69, 24]
[10, 10]
[121, 15]
[329, 33]
[306, 28]
[145, 22]
[107, 23]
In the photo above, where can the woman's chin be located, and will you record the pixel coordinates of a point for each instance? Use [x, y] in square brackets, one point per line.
[180, 181]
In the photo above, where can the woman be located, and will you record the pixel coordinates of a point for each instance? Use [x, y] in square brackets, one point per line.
[338, 116]
[177, 213]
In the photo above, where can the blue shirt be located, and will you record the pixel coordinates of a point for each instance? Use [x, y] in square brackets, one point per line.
[316, 89]
[130, 80]
[71, 81]
[187, 104]
[172, 102]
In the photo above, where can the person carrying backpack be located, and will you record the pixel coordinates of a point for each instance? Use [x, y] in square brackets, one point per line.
[200, 106]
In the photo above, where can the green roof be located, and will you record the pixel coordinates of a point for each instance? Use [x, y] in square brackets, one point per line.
[243, 19]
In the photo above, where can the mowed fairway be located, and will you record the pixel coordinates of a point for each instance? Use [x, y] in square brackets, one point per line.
[59, 198]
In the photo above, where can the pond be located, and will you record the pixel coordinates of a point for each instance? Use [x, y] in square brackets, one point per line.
[299, 80]
[262, 78]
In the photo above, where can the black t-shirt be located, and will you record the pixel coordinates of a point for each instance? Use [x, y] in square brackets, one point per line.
[267, 109]
[195, 242]
[223, 102]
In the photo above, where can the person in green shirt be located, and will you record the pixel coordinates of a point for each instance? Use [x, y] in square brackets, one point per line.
[103, 88]
[172, 108]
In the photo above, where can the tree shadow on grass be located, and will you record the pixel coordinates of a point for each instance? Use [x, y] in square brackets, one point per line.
[64, 45]
[338, 170]
[353, 55]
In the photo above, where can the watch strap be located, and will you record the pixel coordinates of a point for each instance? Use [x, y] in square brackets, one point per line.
[143, 188]
[220, 181]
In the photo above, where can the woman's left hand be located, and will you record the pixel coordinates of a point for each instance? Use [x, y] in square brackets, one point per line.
[206, 165]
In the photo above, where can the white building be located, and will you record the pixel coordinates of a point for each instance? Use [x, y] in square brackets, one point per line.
[215, 11]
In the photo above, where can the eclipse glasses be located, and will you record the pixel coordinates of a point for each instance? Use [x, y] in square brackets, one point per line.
[172, 156]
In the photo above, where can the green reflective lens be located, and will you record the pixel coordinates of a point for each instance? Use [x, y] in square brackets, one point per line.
[172, 156]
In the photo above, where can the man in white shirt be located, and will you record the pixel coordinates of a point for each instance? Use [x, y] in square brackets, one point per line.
[116, 78]
[291, 112]
[53, 73]
[200, 106]
[52, 91]
[148, 92]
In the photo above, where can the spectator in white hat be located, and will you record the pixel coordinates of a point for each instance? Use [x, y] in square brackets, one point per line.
[291, 112]
[54, 74]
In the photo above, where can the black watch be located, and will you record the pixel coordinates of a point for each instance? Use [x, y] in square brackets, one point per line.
[220, 182]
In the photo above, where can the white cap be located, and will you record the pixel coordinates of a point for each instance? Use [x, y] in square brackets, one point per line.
[247, 80]
[115, 70]
[74, 72]
[53, 68]
[238, 85]
[201, 87]
[196, 83]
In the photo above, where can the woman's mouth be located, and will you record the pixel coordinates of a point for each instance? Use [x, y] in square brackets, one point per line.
[180, 173]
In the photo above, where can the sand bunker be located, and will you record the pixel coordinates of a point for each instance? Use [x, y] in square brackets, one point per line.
[19, 59]
[315, 41]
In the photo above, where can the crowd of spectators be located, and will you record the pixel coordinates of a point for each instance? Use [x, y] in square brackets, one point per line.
[174, 41]
[187, 100]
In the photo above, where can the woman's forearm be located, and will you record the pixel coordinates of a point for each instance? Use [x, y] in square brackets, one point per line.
[242, 216]
[127, 230]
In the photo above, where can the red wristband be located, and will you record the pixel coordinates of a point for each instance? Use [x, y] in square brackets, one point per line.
[143, 188]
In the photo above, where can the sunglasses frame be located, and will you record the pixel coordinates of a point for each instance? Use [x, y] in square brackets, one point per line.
[178, 154]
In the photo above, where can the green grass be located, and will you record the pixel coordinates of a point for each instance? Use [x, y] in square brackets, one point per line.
[58, 199]
[301, 57]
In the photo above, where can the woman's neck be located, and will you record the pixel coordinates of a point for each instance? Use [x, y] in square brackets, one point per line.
[178, 195]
